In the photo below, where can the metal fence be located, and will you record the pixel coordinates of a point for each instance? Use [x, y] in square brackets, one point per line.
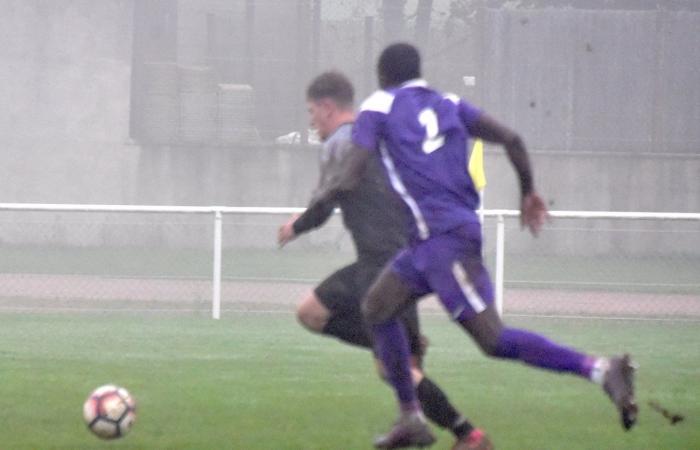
[209, 259]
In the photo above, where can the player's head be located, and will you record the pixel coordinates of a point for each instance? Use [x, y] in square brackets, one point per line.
[398, 63]
[329, 98]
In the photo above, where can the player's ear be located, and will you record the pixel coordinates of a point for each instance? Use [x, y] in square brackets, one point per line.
[327, 106]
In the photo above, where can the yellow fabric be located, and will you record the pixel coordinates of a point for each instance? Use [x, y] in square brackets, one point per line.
[476, 165]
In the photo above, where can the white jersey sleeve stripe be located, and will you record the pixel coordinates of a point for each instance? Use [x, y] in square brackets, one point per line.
[454, 98]
[380, 101]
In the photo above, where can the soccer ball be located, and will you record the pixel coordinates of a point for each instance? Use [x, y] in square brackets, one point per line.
[109, 411]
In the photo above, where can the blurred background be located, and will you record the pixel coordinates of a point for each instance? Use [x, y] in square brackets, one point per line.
[202, 102]
[193, 102]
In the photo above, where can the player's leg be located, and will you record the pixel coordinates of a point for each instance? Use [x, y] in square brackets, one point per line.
[385, 299]
[312, 313]
[457, 274]
[470, 280]
[435, 403]
[436, 406]
[332, 308]
[615, 375]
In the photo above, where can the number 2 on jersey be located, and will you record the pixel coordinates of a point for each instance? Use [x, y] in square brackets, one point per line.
[433, 140]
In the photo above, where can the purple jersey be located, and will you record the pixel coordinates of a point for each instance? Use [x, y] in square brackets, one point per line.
[422, 137]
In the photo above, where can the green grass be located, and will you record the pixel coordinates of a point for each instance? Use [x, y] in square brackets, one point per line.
[145, 262]
[261, 382]
[667, 274]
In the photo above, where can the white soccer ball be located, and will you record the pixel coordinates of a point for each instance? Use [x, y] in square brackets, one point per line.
[109, 411]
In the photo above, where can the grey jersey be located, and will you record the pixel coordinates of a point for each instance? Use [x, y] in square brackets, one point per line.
[372, 212]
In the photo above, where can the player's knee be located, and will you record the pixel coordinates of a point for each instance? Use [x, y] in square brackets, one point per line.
[311, 314]
[417, 374]
[370, 312]
[489, 347]
[491, 343]
[374, 311]
[486, 329]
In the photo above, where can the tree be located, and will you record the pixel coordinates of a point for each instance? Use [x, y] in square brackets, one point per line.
[393, 16]
[422, 29]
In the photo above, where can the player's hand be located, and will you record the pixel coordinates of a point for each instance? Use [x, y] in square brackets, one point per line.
[533, 213]
[286, 231]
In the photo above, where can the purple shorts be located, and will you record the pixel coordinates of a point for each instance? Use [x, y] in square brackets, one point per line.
[449, 265]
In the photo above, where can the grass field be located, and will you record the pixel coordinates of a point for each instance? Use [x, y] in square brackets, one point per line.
[258, 381]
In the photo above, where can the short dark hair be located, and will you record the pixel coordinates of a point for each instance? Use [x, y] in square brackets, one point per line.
[398, 63]
[333, 85]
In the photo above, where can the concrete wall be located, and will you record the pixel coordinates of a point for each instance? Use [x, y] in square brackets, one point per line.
[286, 175]
[608, 80]
[254, 175]
[577, 83]
[64, 102]
[276, 175]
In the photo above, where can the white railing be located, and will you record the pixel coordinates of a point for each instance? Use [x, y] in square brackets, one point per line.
[217, 213]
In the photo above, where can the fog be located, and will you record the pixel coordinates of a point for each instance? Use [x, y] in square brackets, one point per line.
[202, 101]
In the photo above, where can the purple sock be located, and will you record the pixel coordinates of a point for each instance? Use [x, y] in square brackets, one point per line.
[538, 351]
[391, 346]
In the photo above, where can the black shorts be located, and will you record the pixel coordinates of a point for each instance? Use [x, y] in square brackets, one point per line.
[342, 294]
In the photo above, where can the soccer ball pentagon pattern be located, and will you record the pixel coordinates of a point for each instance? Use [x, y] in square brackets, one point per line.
[109, 411]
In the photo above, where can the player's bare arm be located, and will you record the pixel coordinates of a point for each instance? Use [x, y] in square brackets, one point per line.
[533, 210]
